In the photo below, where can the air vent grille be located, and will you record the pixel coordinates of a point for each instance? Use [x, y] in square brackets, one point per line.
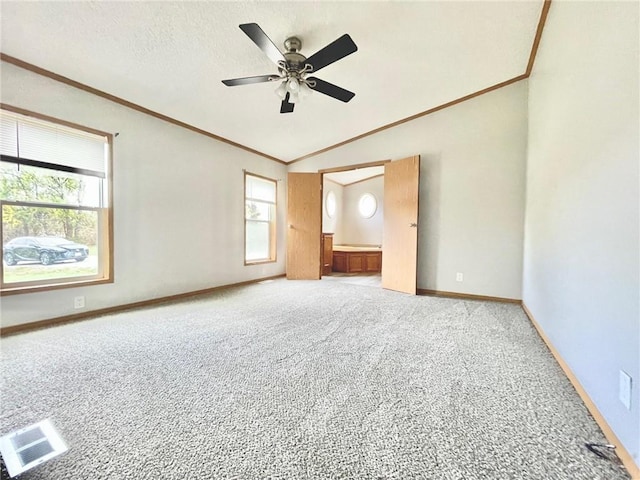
[30, 446]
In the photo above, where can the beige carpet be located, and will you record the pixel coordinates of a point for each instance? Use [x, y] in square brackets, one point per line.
[302, 380]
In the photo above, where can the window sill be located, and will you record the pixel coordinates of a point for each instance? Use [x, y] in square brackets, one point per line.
[52, 286]
[258, 262]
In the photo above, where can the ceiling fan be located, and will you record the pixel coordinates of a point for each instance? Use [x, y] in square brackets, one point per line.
[294, 68]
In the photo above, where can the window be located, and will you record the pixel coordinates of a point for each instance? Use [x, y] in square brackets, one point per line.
[55, 202]
[330, 204]
[367, 205]
[259, 219]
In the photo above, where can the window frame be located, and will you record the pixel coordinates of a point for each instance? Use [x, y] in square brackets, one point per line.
[104, 214]
[272, 223]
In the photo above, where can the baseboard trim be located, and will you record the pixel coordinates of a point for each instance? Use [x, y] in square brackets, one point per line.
[466, 296]
[623, 454]
[25, 327]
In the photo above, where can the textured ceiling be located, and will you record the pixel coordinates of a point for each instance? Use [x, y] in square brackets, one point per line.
[170, 57]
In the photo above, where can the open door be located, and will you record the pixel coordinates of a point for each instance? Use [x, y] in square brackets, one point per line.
[304, 218]
[400, 235]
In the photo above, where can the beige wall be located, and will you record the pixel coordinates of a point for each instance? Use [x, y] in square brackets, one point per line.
[178, 204]
[465, 226]
[582, 260]
[332, 224]
[355, 229]
[472, 189]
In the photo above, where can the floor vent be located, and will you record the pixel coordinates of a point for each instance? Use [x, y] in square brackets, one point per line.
[30, 446]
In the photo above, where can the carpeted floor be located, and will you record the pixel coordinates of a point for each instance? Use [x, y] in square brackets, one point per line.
[368, 279]
[302, 380]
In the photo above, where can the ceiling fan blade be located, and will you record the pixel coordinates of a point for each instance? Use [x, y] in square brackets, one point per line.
[248, 80]
[286, 107]
[331, 90]
[255, 33]
[333, 52]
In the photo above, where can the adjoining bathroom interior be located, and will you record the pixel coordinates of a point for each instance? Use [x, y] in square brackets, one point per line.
[352, 225]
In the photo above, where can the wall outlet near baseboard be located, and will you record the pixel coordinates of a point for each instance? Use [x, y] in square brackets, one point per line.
[624, 389]
[78, 302]
[459, 277]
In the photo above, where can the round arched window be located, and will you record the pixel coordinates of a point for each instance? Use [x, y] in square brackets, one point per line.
[330, 204]
[367, 205]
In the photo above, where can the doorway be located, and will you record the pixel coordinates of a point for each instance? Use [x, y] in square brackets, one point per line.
[352, 224]
[400, 225]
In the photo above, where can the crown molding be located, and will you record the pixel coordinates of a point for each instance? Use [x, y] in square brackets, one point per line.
[125, 103]
[536, 41]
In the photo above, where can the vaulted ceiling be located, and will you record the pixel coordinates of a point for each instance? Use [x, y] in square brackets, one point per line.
[170, 57]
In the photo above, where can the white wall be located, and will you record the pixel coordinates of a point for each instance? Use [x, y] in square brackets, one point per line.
[357, 230]
[332, 224]
[472, 189]
[581, 262]
[178, 204]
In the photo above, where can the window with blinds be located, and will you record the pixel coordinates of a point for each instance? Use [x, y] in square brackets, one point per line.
[54, 196]
[260, 219]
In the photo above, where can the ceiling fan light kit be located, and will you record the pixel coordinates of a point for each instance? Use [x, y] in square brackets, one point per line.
[294, 68]
[295, 85]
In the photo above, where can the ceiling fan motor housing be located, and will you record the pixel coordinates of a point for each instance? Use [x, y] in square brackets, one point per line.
[295, 61]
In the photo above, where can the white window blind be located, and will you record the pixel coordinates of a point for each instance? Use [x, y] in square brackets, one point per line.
[33, 139]
[260, 189]
[8, 135]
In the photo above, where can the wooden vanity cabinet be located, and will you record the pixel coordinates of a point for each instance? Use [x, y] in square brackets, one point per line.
[357, 262]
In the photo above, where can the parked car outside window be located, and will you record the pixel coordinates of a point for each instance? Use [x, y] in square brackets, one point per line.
[45, 250]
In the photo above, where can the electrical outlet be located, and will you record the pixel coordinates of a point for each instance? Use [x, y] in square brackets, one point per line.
[624, 389]
[459, 277]
[78, 302]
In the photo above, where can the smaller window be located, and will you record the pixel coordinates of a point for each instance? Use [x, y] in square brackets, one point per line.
[367, 205]
[330, 204]
[259, 219]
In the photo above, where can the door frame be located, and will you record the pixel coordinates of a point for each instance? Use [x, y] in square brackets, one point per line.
[346, 168]
[352, 167]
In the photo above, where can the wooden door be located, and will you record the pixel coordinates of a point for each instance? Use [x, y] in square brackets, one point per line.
[304, 219]
[400, 234]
